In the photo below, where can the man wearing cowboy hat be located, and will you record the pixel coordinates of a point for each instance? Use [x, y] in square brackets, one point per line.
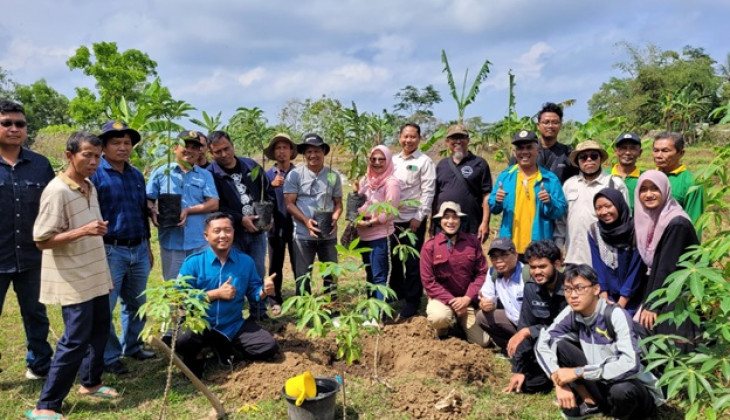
[306, 189]
[453, 269]
[199, 197]
[121, 191]
[572, 230]
[529, 197]
[282, 150]
[238, 192]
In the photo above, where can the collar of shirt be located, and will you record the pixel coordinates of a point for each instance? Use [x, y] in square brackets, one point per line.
[634, 174]
[104, 164]
[73, 185]
[214, 257]
[677, 171]
[441, 238]
[516, 167]
[601, 175]
[415, 155]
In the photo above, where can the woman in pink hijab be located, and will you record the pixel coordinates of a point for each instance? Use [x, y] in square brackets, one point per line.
[379, 185]
[663, 233]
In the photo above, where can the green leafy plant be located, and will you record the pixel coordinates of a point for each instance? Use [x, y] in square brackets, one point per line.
[176, 307]
[464, 98]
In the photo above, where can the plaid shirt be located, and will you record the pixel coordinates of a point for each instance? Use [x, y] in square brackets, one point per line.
[122, 201]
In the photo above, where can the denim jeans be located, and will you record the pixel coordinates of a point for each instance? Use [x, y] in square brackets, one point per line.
[376, 263]
[27, 286]
[79, 351]
[304, 253]
[172, 261]
[130, 268]
[255, 245]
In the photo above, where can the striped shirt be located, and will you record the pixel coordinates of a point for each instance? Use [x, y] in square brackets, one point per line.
[77, 271]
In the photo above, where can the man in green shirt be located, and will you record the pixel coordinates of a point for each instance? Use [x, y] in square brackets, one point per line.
[627, 149]
[668, 151]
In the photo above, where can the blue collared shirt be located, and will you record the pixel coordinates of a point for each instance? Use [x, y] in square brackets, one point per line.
[21, 186]
[195, 186]
[224, 316]
[122, 201]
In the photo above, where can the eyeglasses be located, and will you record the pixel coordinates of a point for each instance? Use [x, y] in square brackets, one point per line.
[458, 137]
[17, 123]
[579, 290]
[377, 159]
[585, 156]
[550, 122]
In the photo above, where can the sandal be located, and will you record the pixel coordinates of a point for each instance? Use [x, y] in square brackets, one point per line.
[104, 393]
[56, 416]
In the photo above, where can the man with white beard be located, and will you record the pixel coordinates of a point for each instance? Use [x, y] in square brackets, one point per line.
[465, 179]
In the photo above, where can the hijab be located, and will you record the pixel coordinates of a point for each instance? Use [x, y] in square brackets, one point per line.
[377, 180]
[619, 233]
[650, 224]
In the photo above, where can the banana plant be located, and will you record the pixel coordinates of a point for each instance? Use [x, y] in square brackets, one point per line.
[464, 98]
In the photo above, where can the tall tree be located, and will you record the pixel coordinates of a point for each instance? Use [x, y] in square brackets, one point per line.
[416, 102]
[118, 75]
[43, 105]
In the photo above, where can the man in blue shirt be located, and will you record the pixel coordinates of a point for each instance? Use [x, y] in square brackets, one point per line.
[23, 176]
[122, 201]
[228, 277]
[199, 197]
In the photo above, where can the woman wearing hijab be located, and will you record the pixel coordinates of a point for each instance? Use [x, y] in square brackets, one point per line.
[613, 251]
[663, 233]
[376, 227]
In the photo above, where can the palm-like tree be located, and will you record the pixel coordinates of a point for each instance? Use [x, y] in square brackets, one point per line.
[464, 98]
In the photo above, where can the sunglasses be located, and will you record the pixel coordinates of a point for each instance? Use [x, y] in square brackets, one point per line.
[585, 156]
[17, 123]
[377, 159]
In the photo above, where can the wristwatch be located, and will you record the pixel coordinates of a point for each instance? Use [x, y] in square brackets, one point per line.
[578, 372]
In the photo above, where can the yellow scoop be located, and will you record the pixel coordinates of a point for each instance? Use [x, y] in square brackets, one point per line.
[301, 387]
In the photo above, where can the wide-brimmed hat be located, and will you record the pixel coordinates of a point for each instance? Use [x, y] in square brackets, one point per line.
[190, 136]
[118, 127]
[449, 205]
[269, 151]
[312, 140]
[587, 145]
[524, 136]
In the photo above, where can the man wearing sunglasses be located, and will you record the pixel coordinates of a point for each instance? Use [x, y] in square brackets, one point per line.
[23, 176]
[572, 230]
[466, 179]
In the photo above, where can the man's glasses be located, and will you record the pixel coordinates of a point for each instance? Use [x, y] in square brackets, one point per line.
[16, 123]
[585, 156]
[458, 137]
[579, 290]
[377, 159]
[550, 122]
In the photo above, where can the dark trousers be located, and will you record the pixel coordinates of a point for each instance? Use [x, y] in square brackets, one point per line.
[622, 399]
[407, 285]
[304, 253]
[278, 246]
[80, 350]
[498, 326]
[536, 381]
[27, 286]
[253, 341]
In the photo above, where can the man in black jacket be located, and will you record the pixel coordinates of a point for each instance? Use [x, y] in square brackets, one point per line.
[238, 190]
[543, 299]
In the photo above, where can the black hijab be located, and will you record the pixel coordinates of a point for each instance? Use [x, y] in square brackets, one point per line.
[620, 233]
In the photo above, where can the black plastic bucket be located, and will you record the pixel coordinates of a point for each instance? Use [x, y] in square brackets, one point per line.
[321, 407]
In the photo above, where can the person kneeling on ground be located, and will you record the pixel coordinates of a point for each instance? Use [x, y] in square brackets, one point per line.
[453, 269]
[228, 277]
[603, 373]
[500, 298]
[542, 301]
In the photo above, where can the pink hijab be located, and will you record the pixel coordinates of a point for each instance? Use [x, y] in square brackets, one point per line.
[374, 180]
[650, 224]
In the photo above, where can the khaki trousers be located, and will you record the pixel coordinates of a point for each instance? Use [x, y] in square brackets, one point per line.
[440, 317]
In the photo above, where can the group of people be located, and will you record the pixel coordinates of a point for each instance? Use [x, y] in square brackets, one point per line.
[546, 313]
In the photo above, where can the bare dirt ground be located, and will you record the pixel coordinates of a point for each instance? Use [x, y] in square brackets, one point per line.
[406, 350]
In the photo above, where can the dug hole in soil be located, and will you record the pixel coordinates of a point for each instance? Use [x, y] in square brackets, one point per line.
[408, 354]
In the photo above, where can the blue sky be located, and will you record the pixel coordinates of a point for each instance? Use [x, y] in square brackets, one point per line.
[222, 54]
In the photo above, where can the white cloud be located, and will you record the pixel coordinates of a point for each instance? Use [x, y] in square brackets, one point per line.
[531, 63]
[25, 55]
[252, 76]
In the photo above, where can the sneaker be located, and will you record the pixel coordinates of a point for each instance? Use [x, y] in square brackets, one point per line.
[142, 354]
[116, 368]
[35, 376]
[584, 411]
[371, 323]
